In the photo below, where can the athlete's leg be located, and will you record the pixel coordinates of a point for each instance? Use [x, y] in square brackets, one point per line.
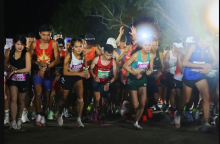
[142, 95]
[13, 103]
[63, 100]
[37, 99]
[78, 89]
[21, 97]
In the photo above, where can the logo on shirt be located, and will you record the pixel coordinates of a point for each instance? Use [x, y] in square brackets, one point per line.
[62, 80]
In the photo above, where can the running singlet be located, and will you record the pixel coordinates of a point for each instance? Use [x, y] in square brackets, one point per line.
[102, 71]
[140, 65]
[177, 75]
[45, 55]
[172, 62]
[157, 63]
[75, 64]
[198, 57]
[90, 55]
[124, 72]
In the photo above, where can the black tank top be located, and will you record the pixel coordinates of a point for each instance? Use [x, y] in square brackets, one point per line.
[19, 63]
[157, 62]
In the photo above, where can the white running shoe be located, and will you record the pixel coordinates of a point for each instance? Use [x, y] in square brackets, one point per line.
[6, 119]
[66, 113]
[79, 124]
[43, 121]
[24, 117]
[13, 125]
[123, 108]
[177, 120]
[60, 120]
[37, 120]
[137, 126]
[19, 122]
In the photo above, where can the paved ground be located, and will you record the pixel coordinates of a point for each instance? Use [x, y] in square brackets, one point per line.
[156, 131]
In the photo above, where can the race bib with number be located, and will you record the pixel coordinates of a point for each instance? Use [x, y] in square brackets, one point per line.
[142, 65]
[197, 69]
[173, 69]
[18, 77]
[103, 74]
[76, 67]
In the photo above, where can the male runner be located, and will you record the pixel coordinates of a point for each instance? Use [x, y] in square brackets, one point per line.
[57, 35]
[45, 56]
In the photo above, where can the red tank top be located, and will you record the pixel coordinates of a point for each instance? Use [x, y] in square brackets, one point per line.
[102, 71]
[45, 55]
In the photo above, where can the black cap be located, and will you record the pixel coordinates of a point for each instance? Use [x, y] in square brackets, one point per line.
[89, 38]
[57, 32]
[60, 41]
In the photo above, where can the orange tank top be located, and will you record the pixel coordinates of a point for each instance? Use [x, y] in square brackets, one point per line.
[90, 55]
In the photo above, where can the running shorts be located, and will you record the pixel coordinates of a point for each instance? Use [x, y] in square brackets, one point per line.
[178, 84]
[191, 83]
[152, 86]
[47, 82]
[170, 81]
[99, 87]
[133, 84]
[67, 82]
[21, 85]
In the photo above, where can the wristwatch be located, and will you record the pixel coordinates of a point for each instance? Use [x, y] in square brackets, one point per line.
[15, 71]
[109, 82]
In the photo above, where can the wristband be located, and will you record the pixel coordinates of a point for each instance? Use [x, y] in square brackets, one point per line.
[109, 82]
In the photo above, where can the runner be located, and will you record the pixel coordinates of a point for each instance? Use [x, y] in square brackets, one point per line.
[17, 64]
[68, 45]
[57, 34]
[45, 56]
[137, 81]
[91, 52]
[72, 77]
[195, 67]
[30, 38]
[170, 66]
[152, 87]
[100, 71]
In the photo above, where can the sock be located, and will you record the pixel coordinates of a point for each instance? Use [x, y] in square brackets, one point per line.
[7, 112]
[204, 123]
[136, 122]
[78, 119]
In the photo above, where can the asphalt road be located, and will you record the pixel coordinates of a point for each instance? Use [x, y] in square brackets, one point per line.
[157, 130]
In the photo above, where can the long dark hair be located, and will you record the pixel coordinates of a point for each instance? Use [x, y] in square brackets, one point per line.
[22, 39]
[72, 44]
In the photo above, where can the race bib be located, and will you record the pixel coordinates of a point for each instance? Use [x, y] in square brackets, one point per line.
[173, 69]
[212, 74]
[76, 67]
[84, 69]
[103, 74]
[18, 77]
[196, 69]
[142, 65]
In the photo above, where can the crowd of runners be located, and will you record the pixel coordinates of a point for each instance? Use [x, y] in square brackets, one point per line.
[48, 79]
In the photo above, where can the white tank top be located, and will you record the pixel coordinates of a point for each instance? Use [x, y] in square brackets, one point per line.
[178, 76]
[75, 64]
[172, 62]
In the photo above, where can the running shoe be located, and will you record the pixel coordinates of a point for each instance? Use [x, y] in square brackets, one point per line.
[89, 108]
[6, 119]
[33, 115]
[144, 119]
[55, 116]
[117, 110]
[156, 107]
[188, 116]
[50, 115]
[137, 126]
[94, 116]
[19, 122]
[43, 121]
[60, 120]
[66, 113]
[13, 125]
[130, 118]
[100, 120]
[38, 119]
[161, 101]
[123, 108]
[79, 124]
[149, 113]
[206, 127]
[24, 117]
[164, 108]
[177, 120]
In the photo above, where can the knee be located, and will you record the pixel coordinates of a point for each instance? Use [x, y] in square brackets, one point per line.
[38, 94]
[135, 105]
[80, 99]
[142, 105]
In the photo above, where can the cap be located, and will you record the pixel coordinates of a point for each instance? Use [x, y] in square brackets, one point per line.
[89, 38]
[60, 41]
[112, 42]
[190, 40]
[68, 40]
[178, 45]
[57, 32]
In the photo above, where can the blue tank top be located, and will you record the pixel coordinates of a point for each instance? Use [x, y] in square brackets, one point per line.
[140, 65]
[199, 57]
[119, 52]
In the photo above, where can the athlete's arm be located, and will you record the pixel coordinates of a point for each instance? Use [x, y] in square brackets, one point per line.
[150, 70]
[187, 57]
[115, 72]
[56, 55]
[162, 61]
[6, 62]
[97, 50]
[28, 64]
[118, 59]
[94, 62]
[179, 61]
[66, 65]
[166, 60]
[121, 31]
[127, 64]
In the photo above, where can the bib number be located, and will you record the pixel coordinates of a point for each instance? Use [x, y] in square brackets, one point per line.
[18, 77]
[103, 74]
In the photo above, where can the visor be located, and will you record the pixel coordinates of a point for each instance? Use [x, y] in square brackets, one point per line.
[178, 45]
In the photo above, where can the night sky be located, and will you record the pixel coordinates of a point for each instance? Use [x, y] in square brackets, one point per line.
[24, 16]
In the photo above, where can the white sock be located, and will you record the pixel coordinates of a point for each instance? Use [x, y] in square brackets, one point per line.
[136, 122]
[78, 119]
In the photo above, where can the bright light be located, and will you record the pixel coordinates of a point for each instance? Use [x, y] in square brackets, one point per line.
[214, 14]
[144, 35]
